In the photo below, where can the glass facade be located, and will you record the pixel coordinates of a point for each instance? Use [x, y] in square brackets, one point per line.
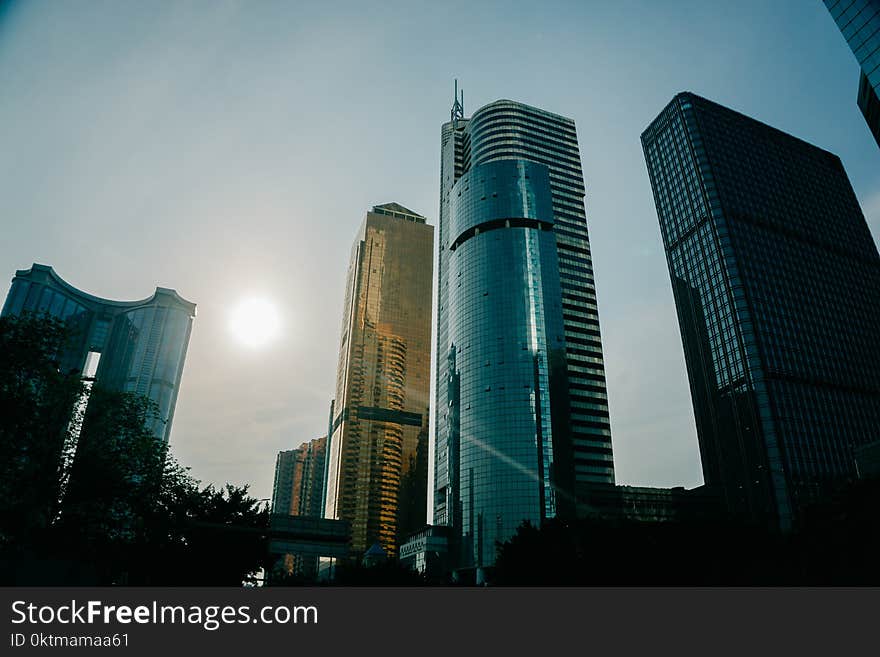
[299, 479]
[380, 413]
[776, 280]
[142, 343]
[859, 21]
[507, 398]
[506, 131]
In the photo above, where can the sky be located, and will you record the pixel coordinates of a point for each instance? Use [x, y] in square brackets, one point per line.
[230, 149]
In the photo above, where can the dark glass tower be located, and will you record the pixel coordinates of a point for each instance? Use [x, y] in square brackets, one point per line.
[776, 280]
[859, 21]
[521, 405]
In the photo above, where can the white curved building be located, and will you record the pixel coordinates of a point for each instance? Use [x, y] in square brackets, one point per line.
[127, 346]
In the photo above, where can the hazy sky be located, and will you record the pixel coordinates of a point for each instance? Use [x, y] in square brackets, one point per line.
[229, 149]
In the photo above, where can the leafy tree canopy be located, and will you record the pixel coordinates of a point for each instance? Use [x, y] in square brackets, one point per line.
[90, 495]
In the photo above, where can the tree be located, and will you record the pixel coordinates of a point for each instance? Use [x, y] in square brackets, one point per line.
[90, 495]
[37, 401]
[201, 536]
[142, 518]
[115, 478]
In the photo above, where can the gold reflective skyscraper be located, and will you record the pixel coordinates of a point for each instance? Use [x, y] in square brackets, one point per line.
[377, 474]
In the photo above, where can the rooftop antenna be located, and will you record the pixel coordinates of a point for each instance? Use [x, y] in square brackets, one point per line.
[457, 107]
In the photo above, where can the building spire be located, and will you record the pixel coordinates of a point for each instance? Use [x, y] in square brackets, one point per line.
[458, 106]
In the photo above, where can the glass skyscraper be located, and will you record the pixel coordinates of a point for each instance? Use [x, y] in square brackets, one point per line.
[776, 280]
[298, 491]
[521, 409]
[299, 479]
[128, 346]
[380, 414]
[859, 21]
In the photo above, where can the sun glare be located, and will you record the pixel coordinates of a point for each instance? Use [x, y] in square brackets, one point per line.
[255, 322]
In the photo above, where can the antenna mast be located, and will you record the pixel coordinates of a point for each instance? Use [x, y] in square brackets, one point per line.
[458, 106]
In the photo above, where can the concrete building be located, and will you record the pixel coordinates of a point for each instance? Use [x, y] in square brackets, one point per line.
[299, 479]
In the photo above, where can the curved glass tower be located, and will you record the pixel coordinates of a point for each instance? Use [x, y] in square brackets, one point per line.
[506, 359]
[138, 346]
[512, 220]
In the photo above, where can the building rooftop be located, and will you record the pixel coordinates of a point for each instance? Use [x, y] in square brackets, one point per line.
[45, 273]
[399, 211]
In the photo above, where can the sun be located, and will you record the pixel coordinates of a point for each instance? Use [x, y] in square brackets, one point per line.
[255, 322]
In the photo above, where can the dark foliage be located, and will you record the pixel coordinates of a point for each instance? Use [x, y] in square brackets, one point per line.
[388, 573]
[202, 536]
[36, 403]
[94, 497]
[837, 544]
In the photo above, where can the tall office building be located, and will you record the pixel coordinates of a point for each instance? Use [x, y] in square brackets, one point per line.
[383, 377]
[859, 21]
[299, 479]
[128, 346]
[776, 280]
[521, 410]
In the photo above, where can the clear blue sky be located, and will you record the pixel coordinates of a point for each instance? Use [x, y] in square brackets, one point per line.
[230, 148]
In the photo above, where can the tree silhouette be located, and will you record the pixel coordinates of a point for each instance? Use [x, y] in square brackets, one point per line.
[90, 495]
[37, 400]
